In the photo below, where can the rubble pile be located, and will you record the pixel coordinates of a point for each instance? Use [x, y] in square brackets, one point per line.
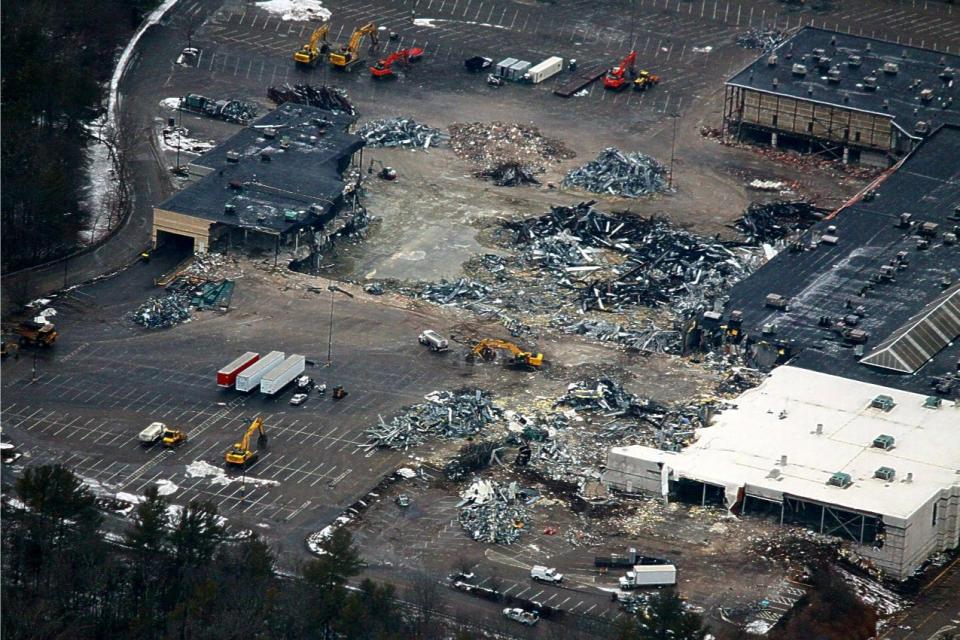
[165, 311]
[630, 175]
[509, 174]
[446, 414]
[187, 292]
[649, 338]
[405, 133]
[492, 144]
[323, 97]
[492, 513]
[761, 38]
[238, 111]
[768, 223]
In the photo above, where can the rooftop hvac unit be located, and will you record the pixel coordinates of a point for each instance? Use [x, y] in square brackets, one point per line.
[833, 75]
[929, 229]
[921, 128]
[947, 74]
[949, 238]
[772, 60]
[233, 156]
[799, 69]
[819, 53]
[885, 473]
[891, 68]
[829, 239]
[884, 442]
[776, 301]
[883, 402]
[932, 402]
[870, 83]
[926, 95]
[840, 479]
[854, 61]
[269, 133]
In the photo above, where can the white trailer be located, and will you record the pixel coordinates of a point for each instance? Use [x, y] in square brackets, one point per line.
[543, 70]
[249, 378]
[282, 374]
[649, 575]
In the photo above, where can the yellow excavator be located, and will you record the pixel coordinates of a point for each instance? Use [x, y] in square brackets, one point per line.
[487, 349]
[347, 56]
[240, 453]
[310, 53]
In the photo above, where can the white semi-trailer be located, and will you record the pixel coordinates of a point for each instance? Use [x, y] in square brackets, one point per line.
[249, 378]
[543, 70]
[283, 374]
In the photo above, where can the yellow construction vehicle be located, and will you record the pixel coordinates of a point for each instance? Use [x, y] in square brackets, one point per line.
[347, 56]
[309, 53]
[173, 437]
[487, 349]
[37, 334]
[240, 453]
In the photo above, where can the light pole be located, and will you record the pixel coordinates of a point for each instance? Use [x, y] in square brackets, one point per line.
[673, 148]
[330, 334]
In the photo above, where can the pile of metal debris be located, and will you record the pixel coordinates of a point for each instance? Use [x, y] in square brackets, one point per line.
[630, 175]
[323, 97]
[649, 338]
[236, 111]
[492, 144]
[405, 133]
[491, 512]
[770, 222]
[183, 294]
[509, 174]
[446, 414]
[761, 38]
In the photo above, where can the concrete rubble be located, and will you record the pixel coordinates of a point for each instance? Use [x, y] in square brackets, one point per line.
[446, 414]
[405, 133]
[491, 512]
[325, 97]
[493, 144]
[613, 172]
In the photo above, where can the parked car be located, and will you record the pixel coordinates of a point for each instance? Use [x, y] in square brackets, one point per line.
[298, 399]
[528, 618]
[322, 388]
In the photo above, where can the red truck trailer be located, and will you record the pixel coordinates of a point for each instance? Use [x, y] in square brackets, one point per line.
[227, 376]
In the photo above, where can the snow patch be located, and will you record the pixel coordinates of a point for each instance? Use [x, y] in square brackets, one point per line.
[431, 22]
[166, 488]
[217, 475]
[101, 182]
[39, 302]
[173, 137]
[297, 10]
[16, 503]
[706, 49]
[406, 472]
[425, 22]
[123, 496]
[5, 446]
[758, 627]
[170, 103]
[316, 539]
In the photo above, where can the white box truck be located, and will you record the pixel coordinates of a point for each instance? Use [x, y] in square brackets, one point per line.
[543, 70]
[649, 575]
[249, 378]
[282, 374]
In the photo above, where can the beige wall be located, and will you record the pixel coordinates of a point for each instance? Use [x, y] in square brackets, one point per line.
[196, 228]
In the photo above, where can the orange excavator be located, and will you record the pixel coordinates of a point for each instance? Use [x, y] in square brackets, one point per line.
[616, 78]
[384, 68]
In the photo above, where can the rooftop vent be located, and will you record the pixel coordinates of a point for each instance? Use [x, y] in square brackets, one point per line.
[269, 133]
[885, 473]
[230, 209]
[829, 239]
[833, 75]
[922, 128]
[884, 442]
[909, 477]
[932, 402]
[854, 61]
[949, 238]
[772, 60]
[905, 219]
[883, 402]
[926, 95]
[819, 53]
[233, 156]
[929, 229]
[776, 301]
[870, 83]
[891, 68]
[799, 69]
[947, 74]
[840, 479]
[776, 83]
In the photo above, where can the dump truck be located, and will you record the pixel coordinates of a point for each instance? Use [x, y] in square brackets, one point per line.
[649, 575]
[283, 374]
[152, 433]
[37, 334]
[543, 70]
[227, 377]
[249, 378]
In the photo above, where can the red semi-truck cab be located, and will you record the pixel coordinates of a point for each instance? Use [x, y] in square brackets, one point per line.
[227, 377]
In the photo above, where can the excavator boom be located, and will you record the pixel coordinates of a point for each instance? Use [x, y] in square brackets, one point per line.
[349, 55]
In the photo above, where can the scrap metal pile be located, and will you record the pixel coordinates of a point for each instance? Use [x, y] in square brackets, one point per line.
[492, 513]
[405, 133]
[446, 414]
[323, 97]
[613, 172]
[768, 223]
[184, 294]
[760, 38]
[509, 174]
[493, 145]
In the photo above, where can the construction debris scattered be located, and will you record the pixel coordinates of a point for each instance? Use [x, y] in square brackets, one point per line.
[509, 174]
[760, 38]
[405, 133]
[183, 294]
[236, 111]
[768, 223]
[446, 414]
[613, 172]
[325, 97]
[491, 512]
[493, 144]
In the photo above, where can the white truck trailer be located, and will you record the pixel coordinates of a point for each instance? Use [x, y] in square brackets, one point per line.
[249, 378]
[543, 70]
[282, 374]
[649, 575]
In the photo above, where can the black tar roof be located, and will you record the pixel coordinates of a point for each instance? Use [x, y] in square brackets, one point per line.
[819, 281]
[305, 173]
[897, 89]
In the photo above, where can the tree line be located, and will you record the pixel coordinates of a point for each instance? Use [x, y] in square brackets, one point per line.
[56, 59]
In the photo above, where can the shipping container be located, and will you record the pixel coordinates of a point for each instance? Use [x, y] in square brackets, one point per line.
[516, 71]
[503, 67]
[543, 70]
[283, 374]
[249, 379]
[227, 376]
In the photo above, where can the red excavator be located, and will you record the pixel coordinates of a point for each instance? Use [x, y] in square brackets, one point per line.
[384, 68]
[616, 78]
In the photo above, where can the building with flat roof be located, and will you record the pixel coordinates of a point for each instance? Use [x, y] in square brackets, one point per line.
[871, 293]
[877, 467]
[276, 181]
[859, 98]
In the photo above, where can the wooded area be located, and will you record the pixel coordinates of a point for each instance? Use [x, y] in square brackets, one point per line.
[56, 59]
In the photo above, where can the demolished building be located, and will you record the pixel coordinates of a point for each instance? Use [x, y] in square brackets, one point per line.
[276, 183]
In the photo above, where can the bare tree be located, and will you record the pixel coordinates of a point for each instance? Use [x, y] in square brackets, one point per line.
[424, 594]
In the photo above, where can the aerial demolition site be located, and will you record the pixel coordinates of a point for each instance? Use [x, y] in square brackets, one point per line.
[553, 304]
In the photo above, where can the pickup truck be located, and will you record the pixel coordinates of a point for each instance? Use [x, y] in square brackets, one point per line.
[152, 434]
[543, 574]
[517, 614]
